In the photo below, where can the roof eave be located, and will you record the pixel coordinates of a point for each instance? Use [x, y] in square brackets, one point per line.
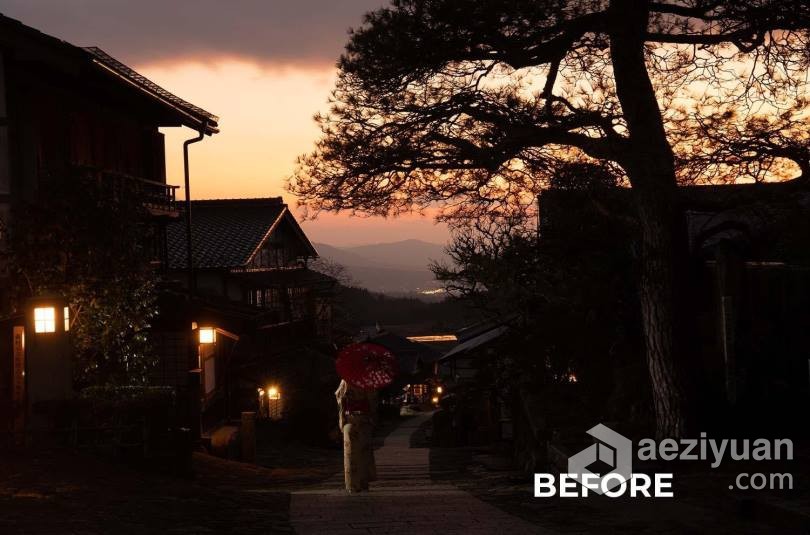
[186, 118]
[284, 213]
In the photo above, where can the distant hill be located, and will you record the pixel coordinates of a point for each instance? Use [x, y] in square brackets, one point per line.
[410, 254]
[393, 268]
[345, 256]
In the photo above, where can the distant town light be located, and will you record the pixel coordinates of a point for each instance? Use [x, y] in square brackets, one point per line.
[44, 320]
[434, 338]
[67, 318]
[208, 335]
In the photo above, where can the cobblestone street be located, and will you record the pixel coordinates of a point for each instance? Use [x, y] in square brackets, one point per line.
[403, 500]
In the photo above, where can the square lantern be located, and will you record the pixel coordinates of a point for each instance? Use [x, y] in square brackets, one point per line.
[44, 319]
[208, 335]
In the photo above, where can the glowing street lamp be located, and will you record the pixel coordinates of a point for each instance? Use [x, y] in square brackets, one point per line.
[275, 405]
[44, 319]
[208, 335]
[439, 390]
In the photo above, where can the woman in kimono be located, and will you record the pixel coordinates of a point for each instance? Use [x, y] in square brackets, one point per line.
[356, 415]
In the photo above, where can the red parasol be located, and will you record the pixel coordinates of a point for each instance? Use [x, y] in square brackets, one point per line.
[367, 366]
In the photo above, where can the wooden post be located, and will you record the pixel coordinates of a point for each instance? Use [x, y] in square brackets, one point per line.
[727, 339]
[47, 361]
[194, 409]
[18, 385]
[247, 433]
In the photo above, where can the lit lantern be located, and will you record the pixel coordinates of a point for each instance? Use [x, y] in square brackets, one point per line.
[208, 335]
[435, 400]
[439, 390]
[45, 319]
[275, 405]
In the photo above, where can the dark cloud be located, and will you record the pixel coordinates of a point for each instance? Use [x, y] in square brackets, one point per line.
[138, 31]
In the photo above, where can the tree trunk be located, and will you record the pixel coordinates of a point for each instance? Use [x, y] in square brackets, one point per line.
[651, 169]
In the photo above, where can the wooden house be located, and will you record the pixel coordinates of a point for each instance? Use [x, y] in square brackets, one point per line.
[251, 286]
[69, 113]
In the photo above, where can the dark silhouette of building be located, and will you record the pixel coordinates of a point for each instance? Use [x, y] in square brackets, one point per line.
[749, 281]
[69, 113]
[270, 313]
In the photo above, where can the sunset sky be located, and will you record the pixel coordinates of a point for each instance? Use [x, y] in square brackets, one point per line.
[263, 66]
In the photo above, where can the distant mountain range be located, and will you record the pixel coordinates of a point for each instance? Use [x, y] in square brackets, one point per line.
[392, 268]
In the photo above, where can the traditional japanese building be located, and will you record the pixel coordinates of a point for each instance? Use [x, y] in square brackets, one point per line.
[749, 280]
[255, 316]
[69, 112]
[74, 117]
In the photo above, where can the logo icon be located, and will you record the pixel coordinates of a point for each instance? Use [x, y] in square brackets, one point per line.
[610, 448]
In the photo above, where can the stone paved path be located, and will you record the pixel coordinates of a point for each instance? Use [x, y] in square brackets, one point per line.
[403, 500]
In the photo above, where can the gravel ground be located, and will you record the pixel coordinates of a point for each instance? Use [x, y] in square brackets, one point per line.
[57, 492]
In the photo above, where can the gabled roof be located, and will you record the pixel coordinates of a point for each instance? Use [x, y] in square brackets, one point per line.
[67, 57]
[227, 233]
[409, 354]
[477, 341]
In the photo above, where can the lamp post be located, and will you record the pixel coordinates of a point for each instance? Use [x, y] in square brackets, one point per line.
[47, 359]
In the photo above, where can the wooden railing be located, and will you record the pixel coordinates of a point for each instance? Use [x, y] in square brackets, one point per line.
[158, 197]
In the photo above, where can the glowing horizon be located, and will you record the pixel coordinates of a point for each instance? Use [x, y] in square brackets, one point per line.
[265, 124]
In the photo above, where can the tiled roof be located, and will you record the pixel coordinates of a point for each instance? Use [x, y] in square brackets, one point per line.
[477, 341]
[193, 112]
[224, 232]
[17, 33]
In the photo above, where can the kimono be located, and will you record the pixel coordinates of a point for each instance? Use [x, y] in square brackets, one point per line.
[356, 414]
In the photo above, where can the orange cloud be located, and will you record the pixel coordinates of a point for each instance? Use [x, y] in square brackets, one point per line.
[266, 123]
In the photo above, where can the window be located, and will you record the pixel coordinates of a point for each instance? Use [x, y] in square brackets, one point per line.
[272, 299]
[255, 298]
[67, 318]
[298, 303]
[45, 320]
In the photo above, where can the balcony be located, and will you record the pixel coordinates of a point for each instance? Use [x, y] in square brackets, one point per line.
[158, 198]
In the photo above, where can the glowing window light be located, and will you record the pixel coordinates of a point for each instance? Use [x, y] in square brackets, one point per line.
[67, 318]
[44, 320]
[208, 335]
[273, 392]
